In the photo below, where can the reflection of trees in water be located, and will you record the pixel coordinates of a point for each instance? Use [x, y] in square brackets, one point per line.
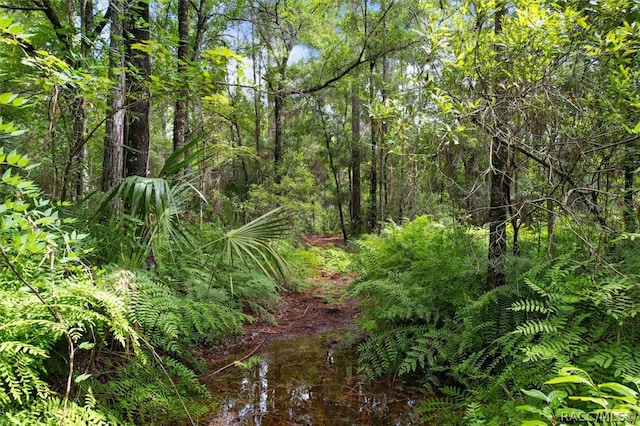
[253, 390]
[297, 383]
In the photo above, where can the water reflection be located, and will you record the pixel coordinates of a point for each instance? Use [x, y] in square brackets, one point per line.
[309, 380]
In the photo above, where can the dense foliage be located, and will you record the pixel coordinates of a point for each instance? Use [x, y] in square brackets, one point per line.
[90, 345]
[177, 139]
[430, 316]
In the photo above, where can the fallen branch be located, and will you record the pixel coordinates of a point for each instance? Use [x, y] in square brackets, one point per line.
[219, 370]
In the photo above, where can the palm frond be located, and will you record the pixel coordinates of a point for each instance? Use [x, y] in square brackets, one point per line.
[147, 209]
[251, 244]
[184, 157]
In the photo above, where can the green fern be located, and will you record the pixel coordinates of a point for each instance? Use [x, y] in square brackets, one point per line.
[537, 326]
[445, 408]
[473, 415]
[53, 412]
[176, 322]
[530, 305]
[53, 308]
[150, 391]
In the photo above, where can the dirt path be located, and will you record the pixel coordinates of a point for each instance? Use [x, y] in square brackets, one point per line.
[320, 306]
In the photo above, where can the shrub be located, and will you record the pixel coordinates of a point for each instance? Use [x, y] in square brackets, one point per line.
[415, 278]
[55, 310]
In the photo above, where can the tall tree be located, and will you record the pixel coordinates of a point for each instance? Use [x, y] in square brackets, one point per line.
[283, 26]
[500, 177]
[373, 169]
[138, 139]
[356, 160]
[113, 157]
[79, 144]
[180, 108]
[75, 31]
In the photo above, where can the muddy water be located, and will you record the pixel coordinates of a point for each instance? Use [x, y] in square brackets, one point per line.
[309, 380]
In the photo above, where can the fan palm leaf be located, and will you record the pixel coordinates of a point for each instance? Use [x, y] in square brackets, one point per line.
[153, 206]
[250, 244]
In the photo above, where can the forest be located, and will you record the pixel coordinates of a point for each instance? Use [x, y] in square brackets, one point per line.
[163, 161]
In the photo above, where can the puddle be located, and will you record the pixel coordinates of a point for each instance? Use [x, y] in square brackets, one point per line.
[309, 380]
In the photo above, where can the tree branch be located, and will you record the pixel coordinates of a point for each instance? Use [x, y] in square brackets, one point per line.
[361, 60]
[35, 291]
[22, 8]
[47, 8]
[361, 55]
[103, 23]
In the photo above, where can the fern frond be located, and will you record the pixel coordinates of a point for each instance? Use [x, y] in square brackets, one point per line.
[529, 305]
[536, 326]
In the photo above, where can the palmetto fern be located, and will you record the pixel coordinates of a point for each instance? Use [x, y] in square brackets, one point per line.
[146, 209]
[250, 244]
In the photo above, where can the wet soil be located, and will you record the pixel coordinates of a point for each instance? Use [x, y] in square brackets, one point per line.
[320, 306]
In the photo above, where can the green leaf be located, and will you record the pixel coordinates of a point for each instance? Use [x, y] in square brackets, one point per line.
[5, 21]
[529, 409]
[533, 423]
[13, 157]
[621, 389]
[600, 401]
[82, 377]
[250, 243]
[18, 101]
[86, 345]
[556, 397]
[535, 393]
[6, 98]
[568, 379]
[23, 161]
[15, 29]
[17, 132]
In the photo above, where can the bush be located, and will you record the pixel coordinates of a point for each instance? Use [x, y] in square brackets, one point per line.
[415, 278]
[416, 271]
[55, 310]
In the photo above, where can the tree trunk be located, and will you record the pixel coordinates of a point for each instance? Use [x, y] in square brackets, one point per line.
[201, 28]
[257, 97]
[139, 94]
[499, 192]
[498, 207]
[373, 210]
[382, 186]
[236, 135]
[356, 190]
[630, 166]
[75, 172]
[278, 123]
[469, 161]
[112, 161]
[180, 108]
[336, 180]
[401, 187]
[81, 175]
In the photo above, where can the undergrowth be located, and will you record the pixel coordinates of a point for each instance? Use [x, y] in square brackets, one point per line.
[428, 316]
[99, 345]
[57, 313]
